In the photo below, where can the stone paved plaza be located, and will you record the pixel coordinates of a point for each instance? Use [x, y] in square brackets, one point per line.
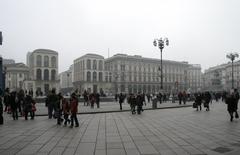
[164, 131]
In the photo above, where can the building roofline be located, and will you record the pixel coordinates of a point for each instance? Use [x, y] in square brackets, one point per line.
[40, 50]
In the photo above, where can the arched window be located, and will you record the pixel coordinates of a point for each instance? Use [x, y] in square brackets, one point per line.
[53, 74]
[94, 64]
[100, 67]
[46, 74]
[94, 76]
[100, 76]
[53, 61]
[88, 76]
[46, 61]
[39, 74]
[39, 61]
[88, 64]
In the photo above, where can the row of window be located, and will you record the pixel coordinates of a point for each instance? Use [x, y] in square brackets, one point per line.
[135, 78]
[46, 74]
[91, 64]
[145, 88]
[140, 67]
[46, 61]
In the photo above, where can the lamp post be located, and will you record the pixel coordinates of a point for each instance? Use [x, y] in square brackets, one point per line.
[68, 82]
[160, 43]
[116, 85]
[232, 57]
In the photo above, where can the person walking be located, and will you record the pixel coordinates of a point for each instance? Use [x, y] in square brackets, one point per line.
[66, 111]
[27, 106]
[92, 100]
[74, 110]
[6, 101]
[1, 108]
[198, 100]
[236, 99]
[121, 100]
[230, 101]
[14, 105]
[59, 109]
[132, 102]
[207, 99]
[139, 101]
[184, 97]
[180, 96]
[51, 102]
[97, 97]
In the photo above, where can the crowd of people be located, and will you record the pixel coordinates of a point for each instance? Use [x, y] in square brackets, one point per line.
[65, 110]
[18, 104]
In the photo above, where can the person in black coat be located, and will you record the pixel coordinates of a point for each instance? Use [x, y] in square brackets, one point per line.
[132, 101]
[231, 107]
[236, 99]
[27, 106]
[121, 100]
[97, 97]
[198, 100]
[14, 105]
[207, 99]
[139, 101]
[1, 108]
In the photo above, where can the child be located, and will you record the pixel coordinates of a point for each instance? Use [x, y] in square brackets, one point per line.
[65, 108]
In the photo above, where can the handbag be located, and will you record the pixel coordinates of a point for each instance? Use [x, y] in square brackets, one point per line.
[194, 105]
[34, 108]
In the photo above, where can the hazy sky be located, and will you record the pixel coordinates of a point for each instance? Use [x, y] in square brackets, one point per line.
[199, 31]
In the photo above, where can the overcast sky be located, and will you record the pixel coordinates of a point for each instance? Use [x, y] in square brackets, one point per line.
[199, 31]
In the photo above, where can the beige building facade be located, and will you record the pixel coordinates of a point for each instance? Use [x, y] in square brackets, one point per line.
[129, 74]
[43, 65]
[16, 75]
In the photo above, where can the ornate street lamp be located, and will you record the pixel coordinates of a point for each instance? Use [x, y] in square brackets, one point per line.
[232, 57]
[160, 43]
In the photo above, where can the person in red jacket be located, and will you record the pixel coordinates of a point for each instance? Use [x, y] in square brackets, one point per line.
[74, 110]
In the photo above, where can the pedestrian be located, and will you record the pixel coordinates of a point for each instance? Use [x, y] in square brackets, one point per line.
[1, 108]
[207, 99]
[198, 100]
[20, 96]
[184, 97]
[236, 99]
[97, 97]
[230, 101]
[92, 100]
[28, 106]
[121, 100]
[6, 101]
[66, 111]
[85, 96]
[139, 101]
[14, 105]
[59, 109]
[180, 96]
[132, 102]
[51, 102]
[74, 110]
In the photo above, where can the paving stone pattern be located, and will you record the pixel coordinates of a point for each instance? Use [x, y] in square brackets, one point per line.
[177, 131]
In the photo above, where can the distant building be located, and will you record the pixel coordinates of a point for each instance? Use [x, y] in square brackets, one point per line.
[89, 73]
[132, 74]
[8, 61]
[219, 78]
[16, 74]
[66, 81]
[194, 78]
[43, 64]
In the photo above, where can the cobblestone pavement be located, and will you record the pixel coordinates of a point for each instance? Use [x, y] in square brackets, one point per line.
[165, 131]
